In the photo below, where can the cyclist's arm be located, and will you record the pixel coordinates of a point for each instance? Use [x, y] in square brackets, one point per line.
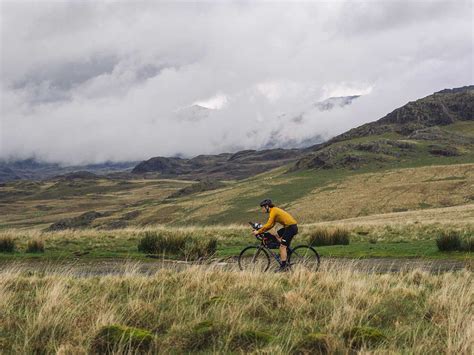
[270, 223]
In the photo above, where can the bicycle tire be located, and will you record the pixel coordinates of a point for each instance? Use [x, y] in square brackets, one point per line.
[254, 258]
[304, 256]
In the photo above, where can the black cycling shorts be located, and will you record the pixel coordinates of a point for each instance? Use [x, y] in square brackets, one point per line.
[286, 234]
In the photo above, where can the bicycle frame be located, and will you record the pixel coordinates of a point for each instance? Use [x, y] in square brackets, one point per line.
[276, 256]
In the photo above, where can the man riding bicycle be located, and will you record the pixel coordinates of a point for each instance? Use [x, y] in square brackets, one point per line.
[285, 234]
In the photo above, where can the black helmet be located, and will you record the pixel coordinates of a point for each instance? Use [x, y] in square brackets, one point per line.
[266, 202]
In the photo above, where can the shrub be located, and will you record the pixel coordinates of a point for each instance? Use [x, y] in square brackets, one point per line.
[113, 338]
[313, 343]
[249, 340]
[7, 245]
[186, 246]
[35, 246]
[449, 241]
[360, 336]
[321, 237]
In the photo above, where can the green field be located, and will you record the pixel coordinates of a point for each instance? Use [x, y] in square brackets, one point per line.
[367, 240]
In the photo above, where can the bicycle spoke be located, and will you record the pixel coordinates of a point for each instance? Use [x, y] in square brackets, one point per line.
[254, 259]
[304, 257]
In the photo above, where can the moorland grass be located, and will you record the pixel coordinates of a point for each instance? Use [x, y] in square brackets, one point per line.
[335, 309]
[311, 196]
[411, 240]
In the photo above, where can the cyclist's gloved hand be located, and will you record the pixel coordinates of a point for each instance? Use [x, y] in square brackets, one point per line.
[255, 232]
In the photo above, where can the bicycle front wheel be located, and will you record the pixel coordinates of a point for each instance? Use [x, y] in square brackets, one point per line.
[304, 256]
[254, 259]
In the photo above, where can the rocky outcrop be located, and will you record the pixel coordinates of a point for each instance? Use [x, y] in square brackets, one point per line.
[84, 220]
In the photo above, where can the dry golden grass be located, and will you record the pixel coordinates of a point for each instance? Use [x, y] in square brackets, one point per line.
[390, 191]
[57, 312]
[423, 189]
[449, 216]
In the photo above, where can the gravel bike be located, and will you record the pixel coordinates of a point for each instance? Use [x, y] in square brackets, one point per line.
[257, 257]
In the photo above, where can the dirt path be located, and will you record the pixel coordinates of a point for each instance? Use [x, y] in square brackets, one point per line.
[123, 267]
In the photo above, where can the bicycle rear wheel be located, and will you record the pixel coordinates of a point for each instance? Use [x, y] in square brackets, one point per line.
[304, 256]
[254, 259]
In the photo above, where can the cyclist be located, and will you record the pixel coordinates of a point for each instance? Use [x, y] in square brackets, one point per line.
[285, 234]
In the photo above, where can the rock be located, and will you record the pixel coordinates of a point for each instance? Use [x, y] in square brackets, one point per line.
[81, 221]
[444, 151]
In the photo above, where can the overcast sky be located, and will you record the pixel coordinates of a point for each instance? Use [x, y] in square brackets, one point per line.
[85, 82]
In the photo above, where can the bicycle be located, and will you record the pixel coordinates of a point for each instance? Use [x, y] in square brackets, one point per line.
[257, 257]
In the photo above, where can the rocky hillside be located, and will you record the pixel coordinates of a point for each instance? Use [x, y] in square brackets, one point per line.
[438, 125]
[439, 109]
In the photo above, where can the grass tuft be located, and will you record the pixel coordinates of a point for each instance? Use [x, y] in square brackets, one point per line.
[249, 340]
[35, 246]
[313, 343]
[201, 336]
[118, 338]
[7, 244]
[357, 337]
[180, 245]
[326, 236]
[468, 244]
[448, 241]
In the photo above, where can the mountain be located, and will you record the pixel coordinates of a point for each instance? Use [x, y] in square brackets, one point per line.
[224, 166]
[437, 125]
[393, 138]
[441, 108]
[31, 169]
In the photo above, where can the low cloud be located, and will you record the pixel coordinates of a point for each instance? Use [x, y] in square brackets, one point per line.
[86, 82]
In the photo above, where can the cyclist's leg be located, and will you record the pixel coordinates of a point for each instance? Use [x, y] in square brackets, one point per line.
[287, 235]
[283, 247]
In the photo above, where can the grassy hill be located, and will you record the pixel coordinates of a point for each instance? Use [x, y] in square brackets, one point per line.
[312, 195]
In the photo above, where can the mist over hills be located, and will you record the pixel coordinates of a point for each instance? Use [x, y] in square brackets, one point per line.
[417, 120]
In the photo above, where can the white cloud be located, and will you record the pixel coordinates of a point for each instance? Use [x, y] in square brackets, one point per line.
[91, 81]
[215, 102]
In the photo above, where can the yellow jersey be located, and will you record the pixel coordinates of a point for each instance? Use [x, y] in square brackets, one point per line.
[277, 215]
